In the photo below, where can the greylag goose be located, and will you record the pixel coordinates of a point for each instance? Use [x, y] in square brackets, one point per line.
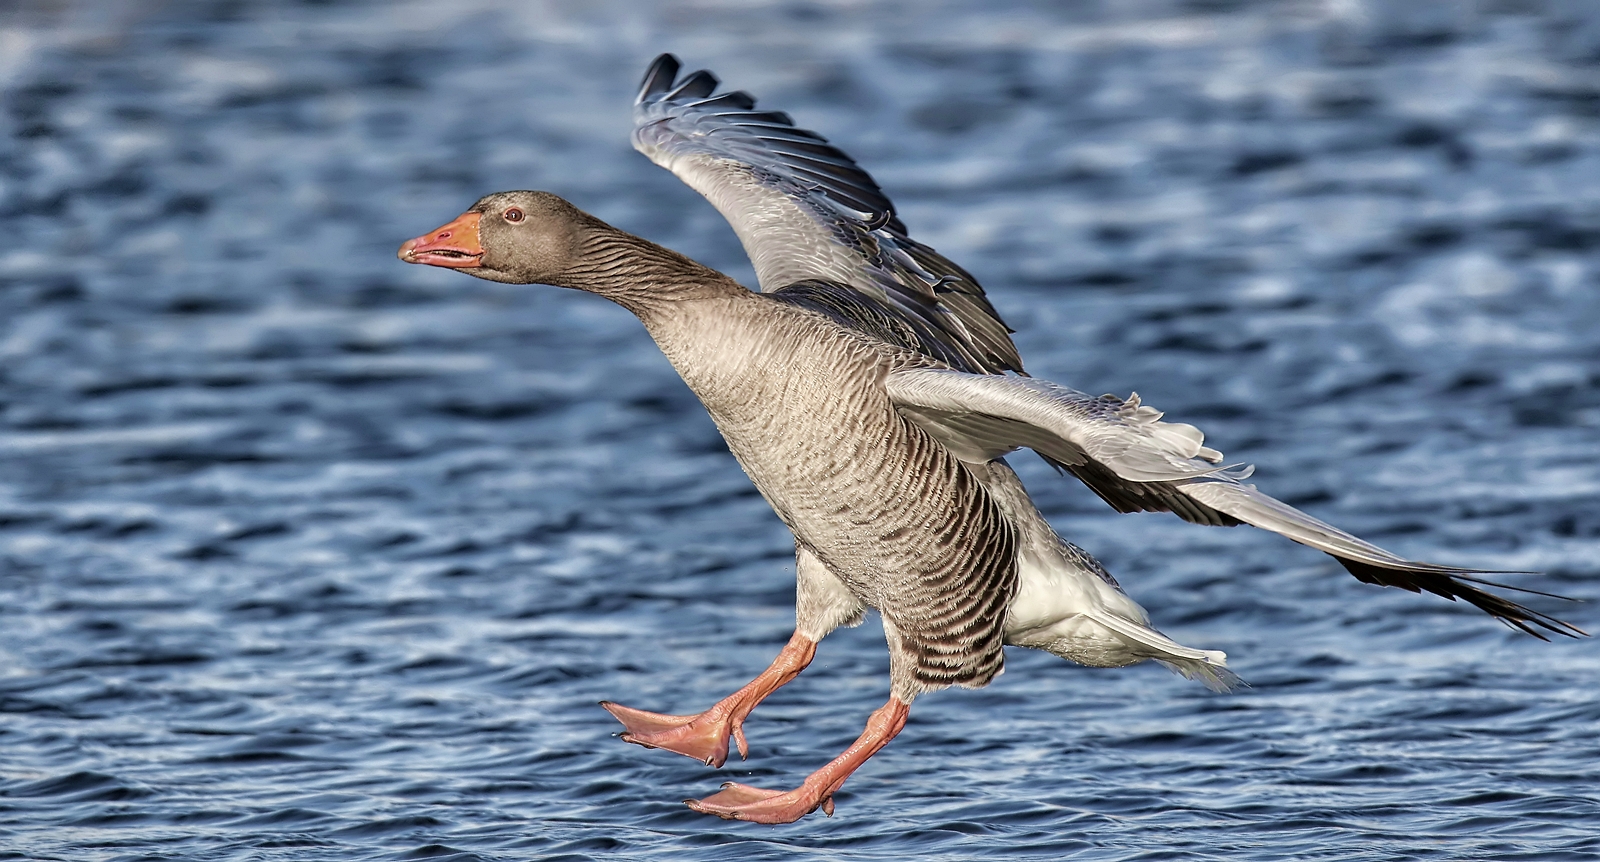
[870, 391]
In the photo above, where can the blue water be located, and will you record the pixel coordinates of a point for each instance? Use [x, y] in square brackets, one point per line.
[309, 555]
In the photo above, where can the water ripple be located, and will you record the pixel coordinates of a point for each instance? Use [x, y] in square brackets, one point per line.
[305, 554]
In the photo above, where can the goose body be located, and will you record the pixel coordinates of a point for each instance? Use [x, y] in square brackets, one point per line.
[803, 406]
[870, 392]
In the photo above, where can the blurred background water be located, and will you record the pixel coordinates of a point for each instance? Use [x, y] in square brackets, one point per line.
[307, 554]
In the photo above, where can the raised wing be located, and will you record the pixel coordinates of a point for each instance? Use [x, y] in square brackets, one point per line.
[806, 212]
[1136, 462]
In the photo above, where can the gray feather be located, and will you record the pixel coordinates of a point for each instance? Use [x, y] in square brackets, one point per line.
[805, 211]
[1137, 462]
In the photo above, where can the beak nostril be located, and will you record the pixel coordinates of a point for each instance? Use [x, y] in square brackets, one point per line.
[440, 247]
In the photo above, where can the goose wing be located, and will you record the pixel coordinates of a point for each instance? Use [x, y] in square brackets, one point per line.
[1124, 452]
[806, 212]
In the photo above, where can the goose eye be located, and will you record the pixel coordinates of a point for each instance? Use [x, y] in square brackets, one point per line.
[512, 215]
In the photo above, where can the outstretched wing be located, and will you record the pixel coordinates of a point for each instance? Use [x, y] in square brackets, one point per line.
[807, 212]
[1137, 462]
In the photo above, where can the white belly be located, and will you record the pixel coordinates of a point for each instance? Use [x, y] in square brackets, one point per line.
[1066, 604]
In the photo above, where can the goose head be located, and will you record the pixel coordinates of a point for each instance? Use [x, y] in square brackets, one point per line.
[518, 237]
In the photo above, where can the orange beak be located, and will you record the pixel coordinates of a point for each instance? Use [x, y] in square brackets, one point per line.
[455, 245]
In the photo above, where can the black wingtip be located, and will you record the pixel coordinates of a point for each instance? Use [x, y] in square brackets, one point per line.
[658, 78]
[738, 100]
[1453, 584]
[697, 86]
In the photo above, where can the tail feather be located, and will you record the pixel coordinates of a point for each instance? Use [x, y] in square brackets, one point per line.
[1207, 666]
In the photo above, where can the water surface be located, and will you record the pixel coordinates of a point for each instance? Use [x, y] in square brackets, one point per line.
[308, 554]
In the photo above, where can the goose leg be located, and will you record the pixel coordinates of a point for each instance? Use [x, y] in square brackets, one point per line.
[743, 802]
[704, 737]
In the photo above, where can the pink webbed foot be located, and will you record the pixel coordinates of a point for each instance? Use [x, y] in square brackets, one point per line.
[703, 737]
[743, 802]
